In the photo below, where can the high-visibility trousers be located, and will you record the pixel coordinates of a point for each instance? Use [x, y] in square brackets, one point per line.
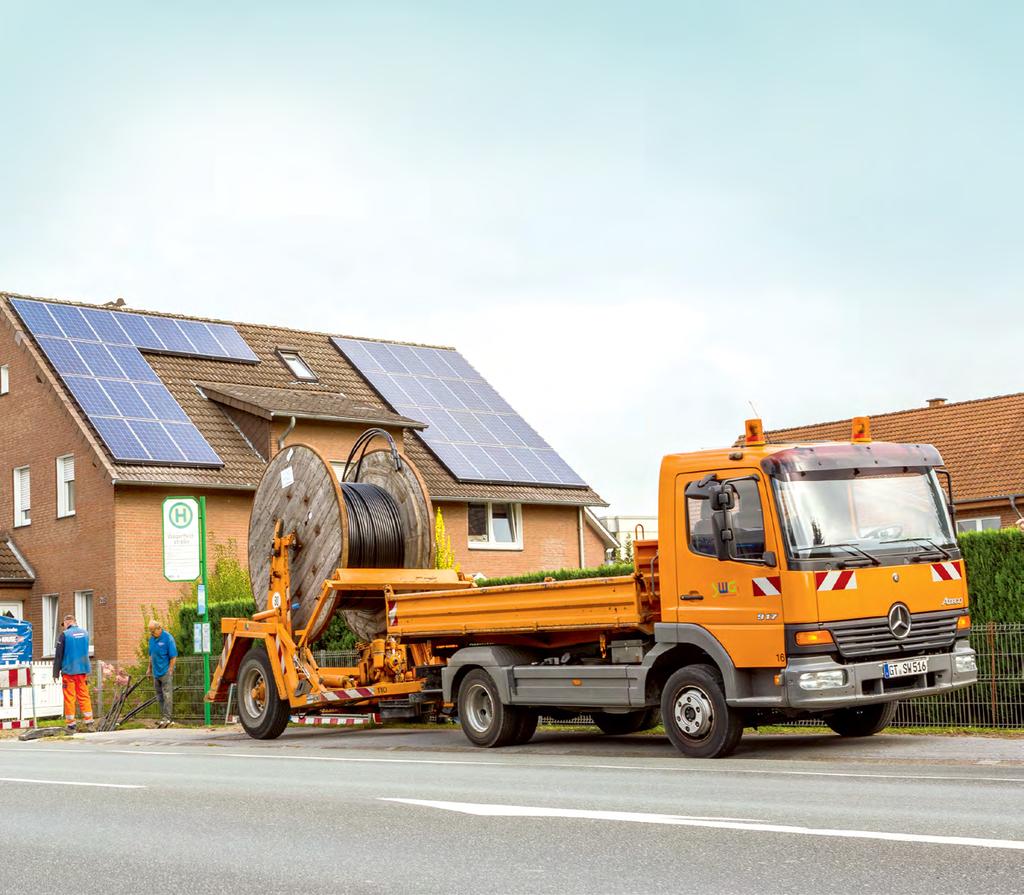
[76, 689]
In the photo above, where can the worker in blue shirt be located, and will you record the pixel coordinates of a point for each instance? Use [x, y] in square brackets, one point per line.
[71, 663]
[163, 653]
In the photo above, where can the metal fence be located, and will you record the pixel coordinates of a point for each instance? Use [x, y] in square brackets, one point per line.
[996, 701]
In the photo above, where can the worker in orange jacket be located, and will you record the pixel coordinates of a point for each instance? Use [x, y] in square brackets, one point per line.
[71, 663]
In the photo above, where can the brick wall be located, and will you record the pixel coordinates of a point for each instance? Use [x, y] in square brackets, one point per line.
[550, 541]
[68, 554]
[139, 547]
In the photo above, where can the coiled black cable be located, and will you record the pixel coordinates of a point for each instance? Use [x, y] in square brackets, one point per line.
[375, 537]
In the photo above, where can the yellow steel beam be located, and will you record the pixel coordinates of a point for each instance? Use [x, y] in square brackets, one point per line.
[397, 579]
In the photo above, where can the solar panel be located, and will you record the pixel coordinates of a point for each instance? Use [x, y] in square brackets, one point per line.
[96, 352]
[471, 429]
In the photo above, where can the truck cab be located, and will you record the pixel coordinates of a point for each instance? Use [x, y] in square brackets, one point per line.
[828, 573]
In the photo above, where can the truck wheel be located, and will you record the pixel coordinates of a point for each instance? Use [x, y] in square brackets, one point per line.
[862, 721]
[486, 720]
[697, 718]
[626, 722]
[528, 719]
[264, 715]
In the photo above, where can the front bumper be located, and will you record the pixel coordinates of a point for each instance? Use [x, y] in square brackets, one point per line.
[866, 684]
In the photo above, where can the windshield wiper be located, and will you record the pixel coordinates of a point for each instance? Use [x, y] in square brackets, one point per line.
[921, 557]
[853, 548]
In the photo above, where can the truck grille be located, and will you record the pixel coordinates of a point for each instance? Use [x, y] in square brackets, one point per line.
[929, 631]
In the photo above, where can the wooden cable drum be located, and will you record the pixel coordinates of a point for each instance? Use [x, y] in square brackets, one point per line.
[384, 520]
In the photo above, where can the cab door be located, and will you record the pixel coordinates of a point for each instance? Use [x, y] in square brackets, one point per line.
[738, 600]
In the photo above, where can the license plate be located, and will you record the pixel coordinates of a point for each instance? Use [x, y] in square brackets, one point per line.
[902, 669]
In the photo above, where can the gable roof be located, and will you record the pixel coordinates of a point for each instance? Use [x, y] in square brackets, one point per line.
[980, 440]
[14, 568]
[200, 385]
[268, 403]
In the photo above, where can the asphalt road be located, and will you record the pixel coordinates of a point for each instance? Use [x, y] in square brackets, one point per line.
[401, 811]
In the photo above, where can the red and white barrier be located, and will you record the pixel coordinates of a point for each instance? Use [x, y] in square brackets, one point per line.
[18, 678]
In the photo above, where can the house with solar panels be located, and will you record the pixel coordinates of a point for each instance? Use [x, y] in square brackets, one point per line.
[106, 411]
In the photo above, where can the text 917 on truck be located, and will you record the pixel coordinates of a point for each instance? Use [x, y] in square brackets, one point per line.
[789, 581]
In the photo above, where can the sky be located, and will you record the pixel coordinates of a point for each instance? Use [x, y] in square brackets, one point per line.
[638, 220]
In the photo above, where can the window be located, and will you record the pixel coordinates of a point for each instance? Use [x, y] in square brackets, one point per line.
[746, 520]
[496, 526]
[22, 497]
[50, 610]
[5, 380]
[982, 523]
[83, 614]
[300, 369]
[66, 486]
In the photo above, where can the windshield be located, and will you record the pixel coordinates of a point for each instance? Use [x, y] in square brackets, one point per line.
[863, 515]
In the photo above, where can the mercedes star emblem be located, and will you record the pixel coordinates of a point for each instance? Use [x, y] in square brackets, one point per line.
[899, 621]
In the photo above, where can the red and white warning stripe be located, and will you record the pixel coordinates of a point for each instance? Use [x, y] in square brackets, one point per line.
[767, 587]
[281, 658]
[335, 720]
[13, 678]
[350, 693]
[17, 725]
[946, 571]
[836, 580]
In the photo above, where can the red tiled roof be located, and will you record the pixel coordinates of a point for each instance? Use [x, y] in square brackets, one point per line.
[13, 568]
[980, 440]
[271, 380]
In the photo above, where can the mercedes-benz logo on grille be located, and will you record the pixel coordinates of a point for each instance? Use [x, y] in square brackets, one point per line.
[899, 621]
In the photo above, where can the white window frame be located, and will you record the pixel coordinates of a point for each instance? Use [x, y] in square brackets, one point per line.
[22, 497]
[978, 524]
[5, 379]
[297, 365]
[65, 494]
[84, 603]
[490, 543]
[51, 613]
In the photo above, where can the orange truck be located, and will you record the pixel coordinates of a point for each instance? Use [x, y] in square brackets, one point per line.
[789, 581]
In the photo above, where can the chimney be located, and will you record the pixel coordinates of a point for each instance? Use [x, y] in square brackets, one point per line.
[936, 402]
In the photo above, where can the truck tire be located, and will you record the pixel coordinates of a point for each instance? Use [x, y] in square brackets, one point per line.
[486, 720]
[862, 721]
[697, 718]
[264, 714]
[528, 719]
[626, 722]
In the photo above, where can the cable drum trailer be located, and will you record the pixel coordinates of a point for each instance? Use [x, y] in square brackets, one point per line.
[732, 620]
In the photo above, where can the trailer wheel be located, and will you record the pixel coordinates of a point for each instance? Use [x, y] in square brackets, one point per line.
[862, 721]
[264, 714]
[486, 720]
[697, 718]
[626, 722]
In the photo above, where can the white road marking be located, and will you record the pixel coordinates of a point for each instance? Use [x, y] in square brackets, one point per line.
[716, 769]
[719, 767]
[141, 752]
[72, 783]
[484, 810]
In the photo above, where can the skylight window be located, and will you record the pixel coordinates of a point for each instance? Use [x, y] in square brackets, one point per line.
[294, 362]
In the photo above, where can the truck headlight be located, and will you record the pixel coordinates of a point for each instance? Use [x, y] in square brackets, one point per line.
[822, 680]
[964, 662]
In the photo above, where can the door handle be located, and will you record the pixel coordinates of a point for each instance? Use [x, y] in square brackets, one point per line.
[690, 597]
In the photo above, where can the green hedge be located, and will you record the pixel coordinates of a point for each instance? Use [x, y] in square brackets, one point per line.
[995, 575]
[188, 616]
[620, 568]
